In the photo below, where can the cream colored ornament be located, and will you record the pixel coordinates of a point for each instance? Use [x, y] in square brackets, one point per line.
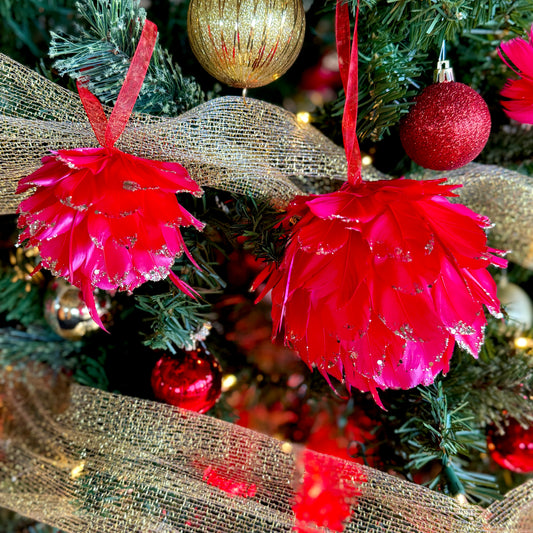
[516, 303]
[246, 43]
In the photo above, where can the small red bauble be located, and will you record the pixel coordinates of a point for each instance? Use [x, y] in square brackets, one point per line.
[191, 380]
[514, 448]
[447, 127]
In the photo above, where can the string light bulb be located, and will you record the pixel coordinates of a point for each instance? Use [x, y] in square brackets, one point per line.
[303, 116]
[77, 471]
[523, 342]
[228, 381]
[366, 160]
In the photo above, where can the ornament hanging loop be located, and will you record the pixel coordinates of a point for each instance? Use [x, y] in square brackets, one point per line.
[347, 51]
[108, 131]
[444, 72]
[244, 94]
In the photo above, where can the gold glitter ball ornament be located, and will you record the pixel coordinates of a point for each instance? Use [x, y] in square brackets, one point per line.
[246, 43]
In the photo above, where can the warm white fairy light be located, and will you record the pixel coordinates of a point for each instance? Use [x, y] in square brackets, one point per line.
[286, 447]
[303, 116]
[461, 498]
[77, 470]
[522, 342]
[228, 381]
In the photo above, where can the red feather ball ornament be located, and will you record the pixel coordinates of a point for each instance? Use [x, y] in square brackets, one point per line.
[519, 92]
[100, 217]
[379, 279]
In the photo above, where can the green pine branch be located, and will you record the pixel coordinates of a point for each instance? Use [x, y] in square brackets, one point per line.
[446, 423]
[103, 50]
[173, 318]
[399, 44]
[426, 24]
[176, 320]
[260, 224]
[440, 430]
[40, 344]
[25, 26]
[500, 383]
[459, 477]
[36, 343]
[388, 86]
[21, 300]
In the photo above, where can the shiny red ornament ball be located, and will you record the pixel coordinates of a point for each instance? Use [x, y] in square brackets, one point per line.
[447, 127]
[513, 449]
[191, 380]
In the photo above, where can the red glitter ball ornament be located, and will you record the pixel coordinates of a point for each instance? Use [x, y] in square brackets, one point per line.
[447, 127]
[514, 448]
[191, 380]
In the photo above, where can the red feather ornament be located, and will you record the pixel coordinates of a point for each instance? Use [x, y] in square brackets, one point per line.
[519, 92]
[379, 279]
[106, 219]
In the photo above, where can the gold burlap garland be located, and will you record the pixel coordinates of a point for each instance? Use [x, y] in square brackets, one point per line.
[242, 146]
[83, 460]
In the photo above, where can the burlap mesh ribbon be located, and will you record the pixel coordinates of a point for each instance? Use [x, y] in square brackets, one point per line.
[506, 197]
[85, 460]
[243, 146]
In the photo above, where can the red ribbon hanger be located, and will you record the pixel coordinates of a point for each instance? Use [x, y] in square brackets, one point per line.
[348, 65]
[108, 131]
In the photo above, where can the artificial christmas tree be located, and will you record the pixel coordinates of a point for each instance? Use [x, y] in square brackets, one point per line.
[104, 453]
